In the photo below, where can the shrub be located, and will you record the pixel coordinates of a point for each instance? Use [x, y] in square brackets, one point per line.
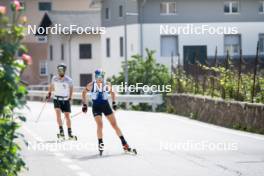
[12, 92]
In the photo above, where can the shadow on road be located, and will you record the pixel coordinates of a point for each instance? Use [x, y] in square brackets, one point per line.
[97, 156]
[47, 142]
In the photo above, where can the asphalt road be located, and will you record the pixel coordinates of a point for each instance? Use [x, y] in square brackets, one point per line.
[167, 145]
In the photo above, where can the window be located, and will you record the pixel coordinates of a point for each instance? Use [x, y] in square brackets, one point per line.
[108, 47]
[107, 13]
[51, 52]
[42, 38]
[261, 7]
[121, 46]
[85, 79]
[22, 3]
[44, 6]
[232, 43]
[231, 7]
[261, 44]
[62, 52]
[43, 68]
[85, 51]
[169, 45]
[168, 8]
[120, 11]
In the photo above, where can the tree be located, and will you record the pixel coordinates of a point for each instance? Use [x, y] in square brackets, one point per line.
[146, 71]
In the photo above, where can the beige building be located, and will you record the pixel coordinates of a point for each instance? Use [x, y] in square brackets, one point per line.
[37, 73]
[78, 50]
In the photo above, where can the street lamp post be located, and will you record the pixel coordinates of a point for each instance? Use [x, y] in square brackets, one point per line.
[125, 41]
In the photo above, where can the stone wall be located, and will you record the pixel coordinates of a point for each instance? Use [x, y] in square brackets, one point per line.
[232, 114]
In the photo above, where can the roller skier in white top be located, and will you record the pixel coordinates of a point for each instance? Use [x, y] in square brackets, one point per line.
[62, 86]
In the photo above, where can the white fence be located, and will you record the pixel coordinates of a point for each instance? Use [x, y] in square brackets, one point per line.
[40, 91]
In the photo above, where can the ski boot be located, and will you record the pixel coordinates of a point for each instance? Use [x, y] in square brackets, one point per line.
[129, 150]
[101, 149]
[72, 137]
[61, 136]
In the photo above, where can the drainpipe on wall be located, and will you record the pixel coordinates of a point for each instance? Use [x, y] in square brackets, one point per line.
[70, 60]
[141, 18]
[125, 33]
[125, 37]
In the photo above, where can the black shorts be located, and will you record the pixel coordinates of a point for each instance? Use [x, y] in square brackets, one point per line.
[99, 109]
[63, 105]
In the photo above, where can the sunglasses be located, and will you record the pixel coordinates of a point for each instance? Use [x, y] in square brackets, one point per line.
[61, 70]
[99, 77]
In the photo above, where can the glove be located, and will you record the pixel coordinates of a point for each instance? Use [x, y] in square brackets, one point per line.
[84, 108]
[48, 96]
[114, 105]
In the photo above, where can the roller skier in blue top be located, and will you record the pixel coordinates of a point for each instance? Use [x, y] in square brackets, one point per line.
[99, 90]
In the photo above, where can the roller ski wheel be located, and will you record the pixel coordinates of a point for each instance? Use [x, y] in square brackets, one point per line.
[129, 150]
[72, 138]
[101, 152]
[101, 149]
[60, 137]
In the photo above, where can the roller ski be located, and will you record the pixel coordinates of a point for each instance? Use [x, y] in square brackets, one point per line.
[129, 150]
[72, 138]
[61, 136]
[101, 152]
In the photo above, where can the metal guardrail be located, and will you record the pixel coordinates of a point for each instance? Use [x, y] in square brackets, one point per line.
[153, 100]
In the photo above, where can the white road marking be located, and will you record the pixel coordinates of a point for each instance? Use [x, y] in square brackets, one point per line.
[83, 174]
[63, 158]
[74, 167]
[58, 154]
[66, 160]
[36, 137]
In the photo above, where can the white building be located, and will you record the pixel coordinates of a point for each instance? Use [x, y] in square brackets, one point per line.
[179, 28]
[166, 26]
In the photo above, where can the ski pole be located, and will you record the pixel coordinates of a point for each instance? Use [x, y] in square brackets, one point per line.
[44, 105]
[72, 116]
[76, 114]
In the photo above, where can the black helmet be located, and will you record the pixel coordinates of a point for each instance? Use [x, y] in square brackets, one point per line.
[62, 66]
